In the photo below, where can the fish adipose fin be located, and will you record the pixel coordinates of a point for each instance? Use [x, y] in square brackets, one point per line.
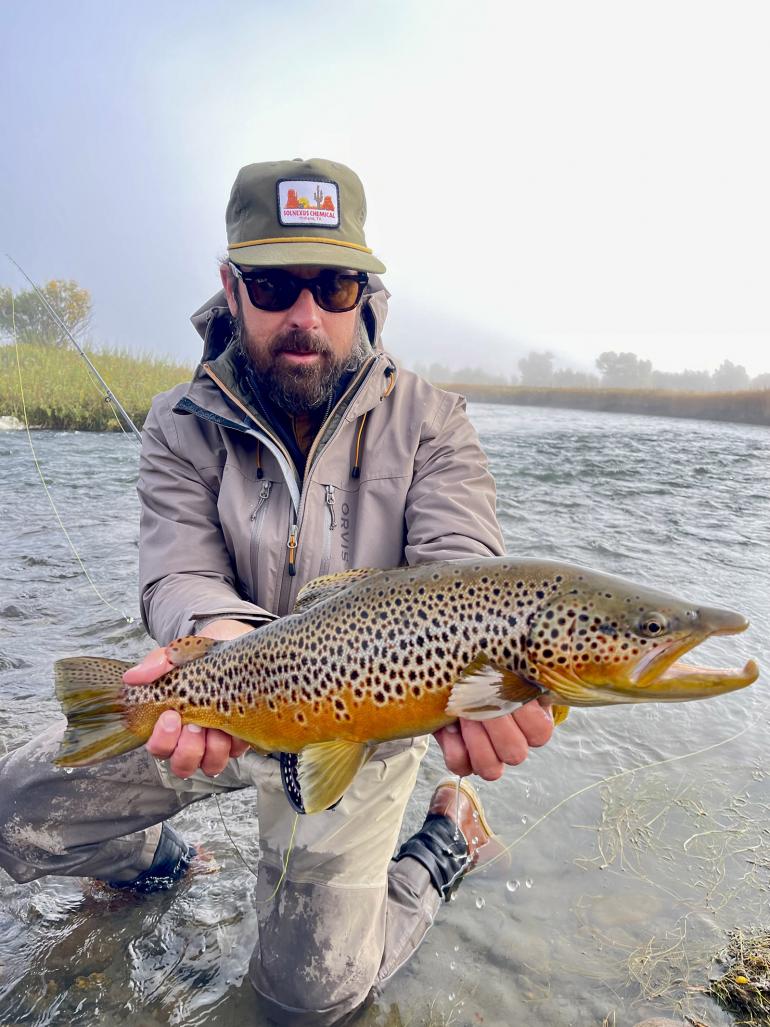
[189, 648]
[326, 770]
[484, 692]
[90, 692]
[328, 585]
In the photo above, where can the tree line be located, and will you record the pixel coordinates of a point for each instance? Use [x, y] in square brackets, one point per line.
[613, 371]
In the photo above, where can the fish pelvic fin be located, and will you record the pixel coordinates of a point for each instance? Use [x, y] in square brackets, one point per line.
[318, 589]
[90, 691]
[188, 648]
[559, 714]
[485, 691]
[326, 770]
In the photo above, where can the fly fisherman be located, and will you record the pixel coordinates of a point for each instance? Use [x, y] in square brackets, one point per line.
[298, 450]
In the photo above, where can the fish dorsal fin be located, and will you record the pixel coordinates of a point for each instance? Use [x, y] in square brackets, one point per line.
[189, 648]
[485, 691]
[326, 770]
[330, 584]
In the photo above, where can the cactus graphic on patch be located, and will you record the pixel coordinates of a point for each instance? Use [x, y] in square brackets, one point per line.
[308, 203]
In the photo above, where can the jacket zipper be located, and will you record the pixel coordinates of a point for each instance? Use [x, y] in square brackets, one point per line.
[358, 383]
[257, 524]
[327, 550]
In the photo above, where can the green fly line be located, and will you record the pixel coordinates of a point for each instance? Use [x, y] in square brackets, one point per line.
[285, 867]
[128, 619]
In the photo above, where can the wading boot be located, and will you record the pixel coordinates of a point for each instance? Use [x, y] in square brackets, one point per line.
[455, 837]
[170, 863]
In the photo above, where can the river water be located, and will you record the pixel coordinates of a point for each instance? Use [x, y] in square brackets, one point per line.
[639, 835]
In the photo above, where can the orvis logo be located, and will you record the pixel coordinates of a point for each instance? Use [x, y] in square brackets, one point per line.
[308, 203]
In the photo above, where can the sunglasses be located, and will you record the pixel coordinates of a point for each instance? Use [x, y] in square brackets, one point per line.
[274, 289]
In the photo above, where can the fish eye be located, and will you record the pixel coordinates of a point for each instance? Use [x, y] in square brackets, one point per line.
[653, 624]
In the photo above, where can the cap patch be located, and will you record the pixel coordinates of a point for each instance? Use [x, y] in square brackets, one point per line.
[308, 203]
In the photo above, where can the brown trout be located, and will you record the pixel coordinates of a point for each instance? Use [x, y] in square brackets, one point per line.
[372, 655]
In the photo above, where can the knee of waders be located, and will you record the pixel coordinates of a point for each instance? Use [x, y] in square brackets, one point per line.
[296, 999]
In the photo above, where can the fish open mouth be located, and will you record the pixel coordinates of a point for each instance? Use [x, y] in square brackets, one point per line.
[663, 670]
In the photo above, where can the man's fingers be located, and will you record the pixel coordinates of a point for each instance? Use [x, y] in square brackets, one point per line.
[481, 752]
[238, 747]
[454, 750]
[187, 756]
[536, 722]
[165, 735]
[509, 741]
[152, 666]
[218, 752]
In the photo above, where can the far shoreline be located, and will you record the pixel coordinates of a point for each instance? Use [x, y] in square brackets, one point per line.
[744, 407]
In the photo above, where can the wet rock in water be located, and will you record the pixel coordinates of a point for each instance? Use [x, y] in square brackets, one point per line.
[9, 423]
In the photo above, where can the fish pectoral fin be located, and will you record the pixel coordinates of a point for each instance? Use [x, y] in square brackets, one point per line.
[188, 648]
[328, 585]
[326, 770]
[485, 691]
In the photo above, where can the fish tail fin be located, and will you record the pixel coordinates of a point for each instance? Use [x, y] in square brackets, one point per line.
[90, 691]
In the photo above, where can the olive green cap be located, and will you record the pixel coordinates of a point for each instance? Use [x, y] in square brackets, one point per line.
[299, 212]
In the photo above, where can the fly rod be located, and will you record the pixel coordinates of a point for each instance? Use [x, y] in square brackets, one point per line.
[109, 395]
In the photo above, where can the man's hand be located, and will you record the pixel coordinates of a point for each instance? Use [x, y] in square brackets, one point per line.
[484, 747]
[191, 747]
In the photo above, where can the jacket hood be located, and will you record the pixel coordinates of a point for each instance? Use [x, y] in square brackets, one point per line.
[213, 322]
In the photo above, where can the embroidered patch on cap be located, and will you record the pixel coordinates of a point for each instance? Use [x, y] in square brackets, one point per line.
[308, 203]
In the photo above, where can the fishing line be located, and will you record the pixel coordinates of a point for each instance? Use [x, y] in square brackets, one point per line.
[89, 579]
[241, 858]
[604, 781]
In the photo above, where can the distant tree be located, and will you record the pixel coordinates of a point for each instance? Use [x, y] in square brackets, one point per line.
[624, 371]
[730, 377]
[762, 381]
[682, 381]
[536, 369]
[566, 378]
[33, 321]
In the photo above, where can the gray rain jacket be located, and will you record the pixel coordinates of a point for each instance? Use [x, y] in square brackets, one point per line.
[228, 529]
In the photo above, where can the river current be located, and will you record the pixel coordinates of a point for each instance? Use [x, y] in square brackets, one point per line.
[639, 836]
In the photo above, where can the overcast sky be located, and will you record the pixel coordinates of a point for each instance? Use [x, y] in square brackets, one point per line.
[571, 176]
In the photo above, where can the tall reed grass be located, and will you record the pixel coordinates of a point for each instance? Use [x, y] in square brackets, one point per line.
[745, 407]
[59, 391]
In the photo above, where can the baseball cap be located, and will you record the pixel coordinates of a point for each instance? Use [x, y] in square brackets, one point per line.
[299, 212]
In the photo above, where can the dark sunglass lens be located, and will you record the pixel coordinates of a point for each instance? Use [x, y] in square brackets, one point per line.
[272, 290]
[338, 292]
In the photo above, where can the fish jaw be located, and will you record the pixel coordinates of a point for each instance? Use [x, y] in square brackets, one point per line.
[651, 670]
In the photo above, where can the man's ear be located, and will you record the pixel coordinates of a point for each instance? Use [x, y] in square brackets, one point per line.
[230, 284]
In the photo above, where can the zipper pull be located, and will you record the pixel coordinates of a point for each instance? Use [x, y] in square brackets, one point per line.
[292, 546]
[330, 504]
[264, 495]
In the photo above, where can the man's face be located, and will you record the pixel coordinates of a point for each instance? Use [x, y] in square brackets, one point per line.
[299, 354]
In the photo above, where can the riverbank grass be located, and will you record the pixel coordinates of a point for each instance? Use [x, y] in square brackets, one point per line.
[60, 392]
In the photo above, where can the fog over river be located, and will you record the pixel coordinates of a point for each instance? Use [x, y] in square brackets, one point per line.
[623, 882]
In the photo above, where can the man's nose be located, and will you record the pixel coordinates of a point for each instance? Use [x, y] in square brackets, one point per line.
[305, 314]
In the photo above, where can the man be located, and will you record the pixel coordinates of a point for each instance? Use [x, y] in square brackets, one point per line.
[298, 450]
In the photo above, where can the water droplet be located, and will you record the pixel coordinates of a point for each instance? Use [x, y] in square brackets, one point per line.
[523, 820]
[528, 883]
[457, 948]
[480, 902]
[476, 815]
[475, 840]
[451, 996]
[453, 966]
[513, 885]
[68, 770]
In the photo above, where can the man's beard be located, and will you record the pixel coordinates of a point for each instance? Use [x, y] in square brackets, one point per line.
[296, 388]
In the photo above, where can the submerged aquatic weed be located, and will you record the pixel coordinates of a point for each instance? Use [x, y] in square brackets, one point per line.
[744, 988]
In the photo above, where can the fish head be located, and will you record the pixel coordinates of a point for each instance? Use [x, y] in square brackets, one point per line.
[603, 640]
